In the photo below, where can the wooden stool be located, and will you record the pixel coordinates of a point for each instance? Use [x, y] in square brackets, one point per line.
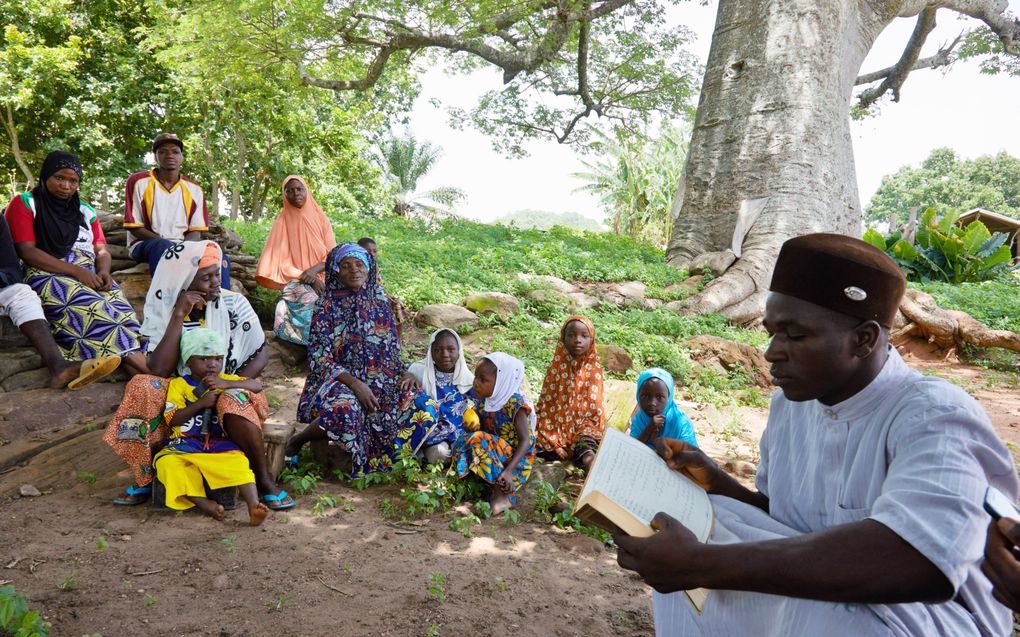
[275, 435]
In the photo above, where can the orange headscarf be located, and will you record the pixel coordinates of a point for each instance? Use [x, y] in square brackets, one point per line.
[570, 406]
[300, 238]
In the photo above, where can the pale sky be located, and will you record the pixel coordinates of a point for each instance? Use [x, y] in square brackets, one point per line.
[972, 113]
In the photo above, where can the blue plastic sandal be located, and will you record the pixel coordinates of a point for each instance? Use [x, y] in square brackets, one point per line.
[278, 502]
[132, 491]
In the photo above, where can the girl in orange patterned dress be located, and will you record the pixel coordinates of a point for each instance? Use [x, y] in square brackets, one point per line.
[570, 415]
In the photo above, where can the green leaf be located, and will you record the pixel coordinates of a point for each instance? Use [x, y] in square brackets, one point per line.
[875, 238]
[904, 250]
[974, 236]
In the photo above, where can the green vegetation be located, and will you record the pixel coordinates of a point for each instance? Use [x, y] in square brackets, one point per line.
[635, 178]
[994, 303]
[229, 543]
[69, 583]
[437, 586]
[946, 182]
[546, 219]
[943, 251]
[16, 620]
[445, 261]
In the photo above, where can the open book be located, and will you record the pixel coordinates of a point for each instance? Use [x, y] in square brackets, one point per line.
[629, 483]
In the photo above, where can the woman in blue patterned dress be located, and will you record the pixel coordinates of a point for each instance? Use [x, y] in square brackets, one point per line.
[502, 451]
[352, 396]
[442, 381]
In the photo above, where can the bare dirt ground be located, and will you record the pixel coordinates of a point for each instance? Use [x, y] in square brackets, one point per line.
[91, 567]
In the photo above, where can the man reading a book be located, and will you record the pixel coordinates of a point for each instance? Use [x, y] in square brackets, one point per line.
[867, 517]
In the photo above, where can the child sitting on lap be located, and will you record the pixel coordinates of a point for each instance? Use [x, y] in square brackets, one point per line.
[657, 415]
[502, 449]
[198, 447]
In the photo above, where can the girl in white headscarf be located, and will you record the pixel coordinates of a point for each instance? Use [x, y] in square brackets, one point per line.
[502, 449]
[442, 381]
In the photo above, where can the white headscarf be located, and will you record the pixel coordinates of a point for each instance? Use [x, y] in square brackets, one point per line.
[425, 370]
[509, 380]
[176, 271]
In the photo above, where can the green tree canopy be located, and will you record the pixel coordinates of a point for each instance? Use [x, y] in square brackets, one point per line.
[946, 182]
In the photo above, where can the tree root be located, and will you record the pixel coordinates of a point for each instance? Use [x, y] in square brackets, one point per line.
[948, 329]
[739, 294]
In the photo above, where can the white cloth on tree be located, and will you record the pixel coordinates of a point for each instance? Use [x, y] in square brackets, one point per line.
[913, 453]
[21, 304]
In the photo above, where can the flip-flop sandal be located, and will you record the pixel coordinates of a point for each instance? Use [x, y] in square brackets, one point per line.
[131, 492]
[94, 369]
[278, 502]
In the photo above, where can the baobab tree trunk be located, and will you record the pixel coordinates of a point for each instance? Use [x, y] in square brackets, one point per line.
[772, 123]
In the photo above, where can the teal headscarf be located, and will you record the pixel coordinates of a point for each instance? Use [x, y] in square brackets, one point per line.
[677, 425]
[202, 342]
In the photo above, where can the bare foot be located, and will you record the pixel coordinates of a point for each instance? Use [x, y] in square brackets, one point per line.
[65, 375]
[499, 502]
[257, 514]
[211, 508]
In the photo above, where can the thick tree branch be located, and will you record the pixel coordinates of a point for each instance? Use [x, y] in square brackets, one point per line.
[897, 74]
[944, 57]
[995, 14]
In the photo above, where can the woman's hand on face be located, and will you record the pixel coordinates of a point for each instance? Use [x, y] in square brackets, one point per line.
[657, 424]
[408, 382]
[187, 300]
[365, 396]
[89, 278]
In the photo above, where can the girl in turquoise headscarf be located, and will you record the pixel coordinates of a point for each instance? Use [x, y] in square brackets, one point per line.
[658, 415]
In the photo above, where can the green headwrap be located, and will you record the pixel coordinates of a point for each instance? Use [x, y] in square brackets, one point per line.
[202, 342]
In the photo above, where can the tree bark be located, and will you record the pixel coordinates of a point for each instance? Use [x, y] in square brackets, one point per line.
[15, 146]
[772, 122]
[242, 150]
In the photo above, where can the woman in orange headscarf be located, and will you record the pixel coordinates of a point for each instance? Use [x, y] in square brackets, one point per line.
[294, 259]
[570, 415]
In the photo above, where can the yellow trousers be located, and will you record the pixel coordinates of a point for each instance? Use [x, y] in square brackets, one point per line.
[182, 474]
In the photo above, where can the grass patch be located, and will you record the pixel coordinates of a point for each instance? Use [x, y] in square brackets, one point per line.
[444, 262]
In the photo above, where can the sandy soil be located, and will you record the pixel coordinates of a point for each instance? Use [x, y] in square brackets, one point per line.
[91, 567]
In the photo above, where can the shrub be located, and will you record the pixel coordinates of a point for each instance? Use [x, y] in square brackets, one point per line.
[946, 252]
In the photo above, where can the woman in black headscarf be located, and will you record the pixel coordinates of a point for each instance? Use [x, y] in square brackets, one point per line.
[59, 238]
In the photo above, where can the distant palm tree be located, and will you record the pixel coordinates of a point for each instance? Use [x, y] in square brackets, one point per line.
[406, 160]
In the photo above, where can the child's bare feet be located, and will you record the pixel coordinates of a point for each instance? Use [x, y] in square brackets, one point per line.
[257, 514]
[499, 502]
[211, 508]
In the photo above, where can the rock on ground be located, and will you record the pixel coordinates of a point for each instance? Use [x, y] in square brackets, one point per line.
[446, 315]
[15, 361]
[614, 359]
[558, 284]
[499, 303]
[618, 402]
[731, 356]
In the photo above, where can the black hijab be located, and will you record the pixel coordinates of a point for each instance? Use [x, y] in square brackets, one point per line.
[57, 220]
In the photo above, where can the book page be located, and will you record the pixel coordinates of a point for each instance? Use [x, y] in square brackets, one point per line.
[636, 478]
